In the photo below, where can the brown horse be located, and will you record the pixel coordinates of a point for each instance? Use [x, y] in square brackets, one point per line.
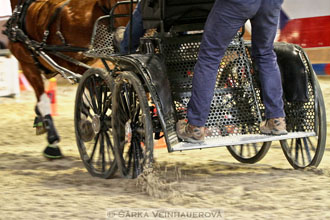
[74, 20]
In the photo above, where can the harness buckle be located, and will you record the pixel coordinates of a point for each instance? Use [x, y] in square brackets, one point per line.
[46, 33]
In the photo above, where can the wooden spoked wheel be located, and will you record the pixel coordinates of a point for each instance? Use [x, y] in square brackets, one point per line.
[132, 125]
[92, 122]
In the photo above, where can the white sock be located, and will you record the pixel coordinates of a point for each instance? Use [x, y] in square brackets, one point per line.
[44, 105]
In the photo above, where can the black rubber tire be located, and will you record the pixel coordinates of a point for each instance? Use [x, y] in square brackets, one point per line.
[305, 146]
[132, 125]
[255, 152]
[92, 121]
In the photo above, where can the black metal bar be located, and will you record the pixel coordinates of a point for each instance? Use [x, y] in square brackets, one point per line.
[67, 74]
[120, 3]
[249, 67]
[130, 28]
[63, 48]
[70, 59]
[313, 78]
[106, 65]
[112, 11]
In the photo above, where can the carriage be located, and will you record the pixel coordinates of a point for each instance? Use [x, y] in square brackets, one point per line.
[137, 98]
[120, 111]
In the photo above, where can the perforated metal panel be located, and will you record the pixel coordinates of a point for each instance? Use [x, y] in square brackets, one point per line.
[234, 108]
[237, 106]
[102, 43]
[301, 116]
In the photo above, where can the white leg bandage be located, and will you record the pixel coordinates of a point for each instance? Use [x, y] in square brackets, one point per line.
[44, 105]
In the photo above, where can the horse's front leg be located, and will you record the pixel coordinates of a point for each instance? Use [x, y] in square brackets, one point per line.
[43, 108]
[43, 121]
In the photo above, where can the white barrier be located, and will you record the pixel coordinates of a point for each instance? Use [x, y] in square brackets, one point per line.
[9, 78]
[5, 9]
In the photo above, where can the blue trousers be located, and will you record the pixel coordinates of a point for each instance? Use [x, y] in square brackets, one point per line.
[224, 20]
[137, 32]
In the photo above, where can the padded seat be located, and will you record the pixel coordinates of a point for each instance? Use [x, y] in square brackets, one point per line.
[174, 12]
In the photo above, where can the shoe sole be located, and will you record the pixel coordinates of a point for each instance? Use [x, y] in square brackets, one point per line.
[274, 133]
[191, 140]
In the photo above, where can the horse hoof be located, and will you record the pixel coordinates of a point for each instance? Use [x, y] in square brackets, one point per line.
[53, 152]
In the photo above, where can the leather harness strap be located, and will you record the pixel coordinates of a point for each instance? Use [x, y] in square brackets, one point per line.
[56, 14]
[22, 14]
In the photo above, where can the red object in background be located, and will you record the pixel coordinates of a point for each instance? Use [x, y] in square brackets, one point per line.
[51, 92]
[160, 143]
[327, 69]
[51, 96]
[307, 32]
[23, 83]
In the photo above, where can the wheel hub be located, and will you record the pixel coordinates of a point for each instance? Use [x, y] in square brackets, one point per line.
[128, 131]
[86, 130]
[96, 124]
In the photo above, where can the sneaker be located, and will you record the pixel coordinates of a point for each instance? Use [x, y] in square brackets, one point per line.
[274, 126]
[190, 133]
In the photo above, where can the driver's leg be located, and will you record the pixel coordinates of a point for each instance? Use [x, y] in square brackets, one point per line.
[264, 28]
[137, 32]
[224, 20]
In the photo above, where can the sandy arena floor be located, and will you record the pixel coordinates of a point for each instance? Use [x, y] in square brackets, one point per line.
[32, 187]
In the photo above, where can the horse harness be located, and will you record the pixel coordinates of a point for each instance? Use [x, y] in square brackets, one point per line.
[15, 31]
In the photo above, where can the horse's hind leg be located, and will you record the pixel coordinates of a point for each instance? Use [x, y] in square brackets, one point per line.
[43, 110]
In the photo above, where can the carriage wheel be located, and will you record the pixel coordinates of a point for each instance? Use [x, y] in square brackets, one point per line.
[249, 153]
[308, 151]
[93, 123]
[133, 132]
